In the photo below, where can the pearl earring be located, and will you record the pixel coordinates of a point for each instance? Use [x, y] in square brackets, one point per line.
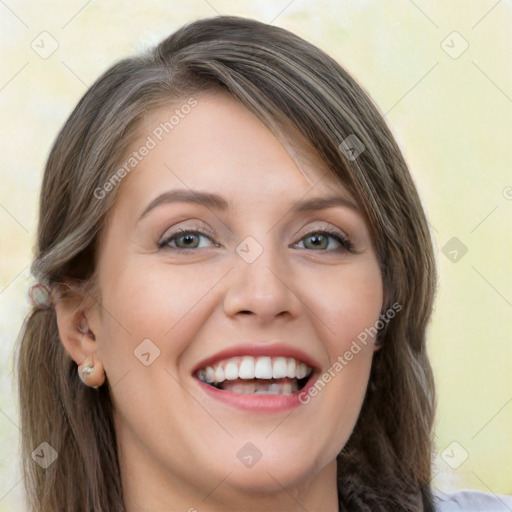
[87, 370]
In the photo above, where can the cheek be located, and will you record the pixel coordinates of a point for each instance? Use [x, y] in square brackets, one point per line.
[347, 303]
[150, 322]
[150, 313]
[347, 309]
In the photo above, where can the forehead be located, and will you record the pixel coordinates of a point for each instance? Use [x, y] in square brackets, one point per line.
[212, 142]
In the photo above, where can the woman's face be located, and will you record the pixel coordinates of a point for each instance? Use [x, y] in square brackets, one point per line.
[256, 290]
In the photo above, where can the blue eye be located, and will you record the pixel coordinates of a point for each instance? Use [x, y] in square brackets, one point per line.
[190, 240]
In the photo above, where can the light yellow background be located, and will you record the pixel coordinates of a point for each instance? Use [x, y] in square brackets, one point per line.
[451, 116]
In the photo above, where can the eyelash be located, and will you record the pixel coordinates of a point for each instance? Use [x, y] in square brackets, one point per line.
[345, 242]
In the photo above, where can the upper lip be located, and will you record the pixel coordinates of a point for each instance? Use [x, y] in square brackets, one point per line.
[258, 349]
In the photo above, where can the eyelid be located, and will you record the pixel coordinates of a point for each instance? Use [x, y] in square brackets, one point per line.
[331, 231]
[170, 232]
[334, 233]
[323, 226]
[329, 228]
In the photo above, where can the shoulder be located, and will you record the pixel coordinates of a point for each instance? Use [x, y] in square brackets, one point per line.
[471, 501]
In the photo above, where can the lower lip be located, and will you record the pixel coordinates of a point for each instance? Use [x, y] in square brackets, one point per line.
[257, 402]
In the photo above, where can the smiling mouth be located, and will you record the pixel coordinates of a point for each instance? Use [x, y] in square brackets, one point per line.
[257, 375]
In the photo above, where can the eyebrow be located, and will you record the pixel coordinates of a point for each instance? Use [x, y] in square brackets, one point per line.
[219, 203]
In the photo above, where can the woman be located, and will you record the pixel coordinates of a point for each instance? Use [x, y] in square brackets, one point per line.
[239, 276]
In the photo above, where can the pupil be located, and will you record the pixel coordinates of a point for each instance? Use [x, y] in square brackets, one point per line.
[317, 240]
[187, 239]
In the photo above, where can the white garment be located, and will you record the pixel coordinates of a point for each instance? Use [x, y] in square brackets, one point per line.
[471, 501]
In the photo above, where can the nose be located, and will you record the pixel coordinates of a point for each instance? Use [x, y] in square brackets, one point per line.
[262, 287]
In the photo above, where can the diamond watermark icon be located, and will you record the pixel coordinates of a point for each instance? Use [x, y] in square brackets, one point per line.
[146, 352]
[454, 250]
[249, 455]
[454, 455]
[45, 455]
[454, 45]
[45, 45]
[352, 147]
[249, 250]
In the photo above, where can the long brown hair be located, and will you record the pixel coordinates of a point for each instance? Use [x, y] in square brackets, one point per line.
[289, 84]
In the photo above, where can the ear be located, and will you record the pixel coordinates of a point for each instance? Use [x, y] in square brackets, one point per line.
[77, 337]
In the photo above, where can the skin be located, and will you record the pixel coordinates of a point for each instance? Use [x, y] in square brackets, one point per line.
[178, 446]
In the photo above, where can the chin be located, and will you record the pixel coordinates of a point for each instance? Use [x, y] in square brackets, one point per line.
[273, 481]
[271, 475]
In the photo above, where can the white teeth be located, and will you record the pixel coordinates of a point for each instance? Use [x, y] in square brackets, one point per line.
[263, 368]
[219, 374]
[301, 371]
[231, 371]
[287, 388]
[274, 389]
[246, 370]
[290, 371]
[245, 389]
[261, 388]
[279, 368]
[210, 374]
